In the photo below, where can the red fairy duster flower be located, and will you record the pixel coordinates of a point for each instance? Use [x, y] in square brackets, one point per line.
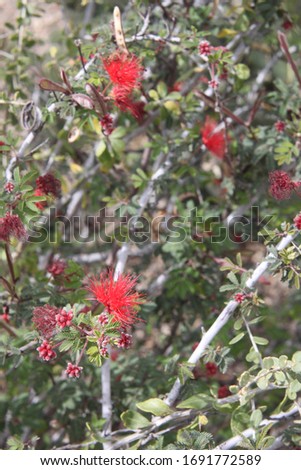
[11, 226]
[205, 47]
[279, 126]
[49, 185]
[118, 297]
[44, 319]
[46, 352]
[9, 187]
[64, 318]
[124, 341]
[281, 185]
[73, 370]
[214, 141]
[239, 297]
[124, 70]
[125, 102]
[40, 204]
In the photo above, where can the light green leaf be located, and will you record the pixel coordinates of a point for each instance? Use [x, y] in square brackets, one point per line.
[256, 418]
[261, 341]
[17, 177]
[237, 338]
[197, 402]
[242, 71]
[134, 420]
[155, 406]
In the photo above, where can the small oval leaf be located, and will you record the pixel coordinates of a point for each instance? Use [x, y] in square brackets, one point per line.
[155, 406]
[134, 420]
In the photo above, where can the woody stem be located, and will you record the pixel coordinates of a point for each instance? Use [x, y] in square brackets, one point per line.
[10, 267]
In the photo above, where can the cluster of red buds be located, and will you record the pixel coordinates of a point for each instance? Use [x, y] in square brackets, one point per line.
[109, 329]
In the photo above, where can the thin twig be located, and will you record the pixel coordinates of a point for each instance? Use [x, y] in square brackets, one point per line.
[255, 347]
[285, 48]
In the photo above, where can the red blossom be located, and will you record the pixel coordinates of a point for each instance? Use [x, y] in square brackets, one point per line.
[64, 318]
[46, 352]
[114, 355]
[103, 319]
[213, 83]
[125, 102]
[44, 319]
[205, 47]
[2, 145]
[104, 351]
[11, 226]
[107, 124]
[223, 392]
[9, 187]
[49, 185]
[40, 204]
[239, 297]
[214, 141]
[287, 24]
[211, 368]
[279, 126]
[118, 297]
[57, 267]
[73, 370]
[124, 70]
[124, 341]
[177, 86]
[297, 221]
[224, 74]
[281, 185]
[5, 317]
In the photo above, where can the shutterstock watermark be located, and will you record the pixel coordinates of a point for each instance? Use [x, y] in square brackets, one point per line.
[106, 227]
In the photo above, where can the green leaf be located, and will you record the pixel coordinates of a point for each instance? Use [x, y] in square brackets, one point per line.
[295, 386]
[240, 420]
[100, 148]
[268, 362]
[134, 420]
[153, 95]
[32, 206]
[261, 341]
[231, 276]
[280, 377]
[238, 324]
[256, 418]
[155, 406]
[242, 71]
[15, 443]
[227, 287]
[28, 176]
[297, 357]
[36, 199]
[162, 89]
[237, 338]
[17, 175]
[262, 383]
[197, 402]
